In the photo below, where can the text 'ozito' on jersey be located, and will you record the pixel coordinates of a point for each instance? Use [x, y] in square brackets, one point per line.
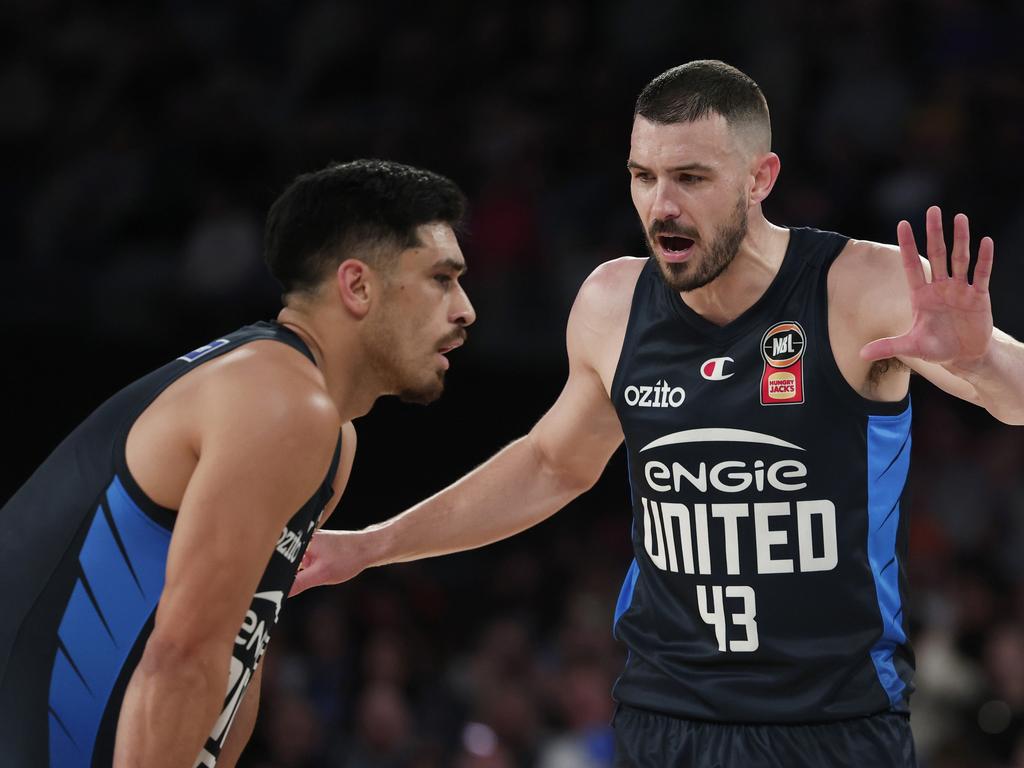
[767, 520]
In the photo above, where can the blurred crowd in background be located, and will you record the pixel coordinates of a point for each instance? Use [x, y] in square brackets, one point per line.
[145, 141]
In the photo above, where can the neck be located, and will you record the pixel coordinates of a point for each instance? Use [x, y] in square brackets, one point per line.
[746, 278]
[339, 357]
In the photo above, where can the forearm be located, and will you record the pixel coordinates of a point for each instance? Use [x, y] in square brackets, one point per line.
[170, 706]
[998, 378]
[511, 492]
[244, 723]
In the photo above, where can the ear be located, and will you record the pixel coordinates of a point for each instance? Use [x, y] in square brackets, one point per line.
[766, 171]
[355, 282]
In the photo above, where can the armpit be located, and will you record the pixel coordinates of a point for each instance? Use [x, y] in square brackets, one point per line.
[880, 368]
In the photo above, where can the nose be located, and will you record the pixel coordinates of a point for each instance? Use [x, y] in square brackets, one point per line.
[664, 207]
[463, 313]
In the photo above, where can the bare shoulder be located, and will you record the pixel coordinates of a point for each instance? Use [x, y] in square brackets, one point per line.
[868, 289]
[597, 324]
[865, 262]
[269, 387]
[605, 297]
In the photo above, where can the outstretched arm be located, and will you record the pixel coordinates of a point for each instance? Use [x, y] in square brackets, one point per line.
[523, 484]
[951, 340]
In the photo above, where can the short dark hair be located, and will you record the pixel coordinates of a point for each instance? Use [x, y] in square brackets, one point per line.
[694, 90]
[368, 209]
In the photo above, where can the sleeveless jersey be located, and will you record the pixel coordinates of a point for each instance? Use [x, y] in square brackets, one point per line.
[769, 541]
[82, 558]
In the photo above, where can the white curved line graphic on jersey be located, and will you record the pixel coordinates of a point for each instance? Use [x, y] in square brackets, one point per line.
[718, 435]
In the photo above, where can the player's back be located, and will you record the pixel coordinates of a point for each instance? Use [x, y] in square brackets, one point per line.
[83, 553]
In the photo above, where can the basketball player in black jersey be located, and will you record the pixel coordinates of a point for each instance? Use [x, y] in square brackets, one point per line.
[759, 378]
[145, 563]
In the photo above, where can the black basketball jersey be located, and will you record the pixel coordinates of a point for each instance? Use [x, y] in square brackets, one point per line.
[82, 558]
[768, 532]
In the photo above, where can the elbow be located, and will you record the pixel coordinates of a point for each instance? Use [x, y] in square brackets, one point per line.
[568, 475]
[198, 660]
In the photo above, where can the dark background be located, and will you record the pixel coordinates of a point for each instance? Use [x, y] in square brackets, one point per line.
[143, 144]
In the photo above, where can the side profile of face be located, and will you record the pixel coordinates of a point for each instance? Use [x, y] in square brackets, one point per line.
[689, 184]
[422, 314]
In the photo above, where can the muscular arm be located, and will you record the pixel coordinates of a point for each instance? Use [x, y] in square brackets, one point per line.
[245, 722]
[526, 482]
[264, 443]
[939, 324]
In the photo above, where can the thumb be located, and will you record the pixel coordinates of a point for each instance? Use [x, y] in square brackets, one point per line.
[882, 349]
[312, 576]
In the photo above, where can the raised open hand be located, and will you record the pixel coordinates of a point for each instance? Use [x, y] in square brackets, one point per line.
[952, 317]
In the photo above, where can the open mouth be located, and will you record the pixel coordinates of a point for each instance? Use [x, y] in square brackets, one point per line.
[449, 347]
[675, 247]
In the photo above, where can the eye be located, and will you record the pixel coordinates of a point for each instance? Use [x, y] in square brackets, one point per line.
[643, 177]
[689, 178]
[444, 280]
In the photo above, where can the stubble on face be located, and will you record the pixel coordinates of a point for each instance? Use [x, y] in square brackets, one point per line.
[393, 359]
[718, 254]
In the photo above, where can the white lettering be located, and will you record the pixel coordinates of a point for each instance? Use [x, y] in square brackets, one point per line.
[700, 521]
[661, 395]
[659, 558]
[655, 470]
[671, 537]
[796, 470]
[673, 511]
[766, 538]
[741, 479]
[826, 510]
[728, 476]
[730, 513]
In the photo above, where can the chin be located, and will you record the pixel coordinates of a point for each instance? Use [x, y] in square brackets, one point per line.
[423, 394]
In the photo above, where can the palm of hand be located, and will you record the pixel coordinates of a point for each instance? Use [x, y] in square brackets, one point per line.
[952, 318]
[952, 321]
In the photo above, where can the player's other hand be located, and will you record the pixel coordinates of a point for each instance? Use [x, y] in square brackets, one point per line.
[331, 558]
[952, 322]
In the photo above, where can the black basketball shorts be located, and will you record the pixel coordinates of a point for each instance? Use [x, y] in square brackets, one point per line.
[649, 740]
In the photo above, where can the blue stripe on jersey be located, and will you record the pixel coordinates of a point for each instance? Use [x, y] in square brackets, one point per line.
[122, 560]
[626, 593]
[888, 464]
[629, 584]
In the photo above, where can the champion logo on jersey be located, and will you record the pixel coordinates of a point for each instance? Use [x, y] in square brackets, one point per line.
[661, 395]
[714, 369]
[782, 347]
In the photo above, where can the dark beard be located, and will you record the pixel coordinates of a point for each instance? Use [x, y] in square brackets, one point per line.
[718, 254]
[423, 395]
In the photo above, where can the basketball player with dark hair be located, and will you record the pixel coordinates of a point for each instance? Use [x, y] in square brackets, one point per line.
[759, 376]
[146, 561]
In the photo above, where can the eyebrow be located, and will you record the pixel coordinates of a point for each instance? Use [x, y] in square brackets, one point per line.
[675, 169]
[453, 264]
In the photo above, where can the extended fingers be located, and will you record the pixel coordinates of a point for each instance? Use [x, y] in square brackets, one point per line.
[909, 253]
[983, 269]
[936, 244]
[961, 256]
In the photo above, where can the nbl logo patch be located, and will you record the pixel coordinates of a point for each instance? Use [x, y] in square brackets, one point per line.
[782, 348]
